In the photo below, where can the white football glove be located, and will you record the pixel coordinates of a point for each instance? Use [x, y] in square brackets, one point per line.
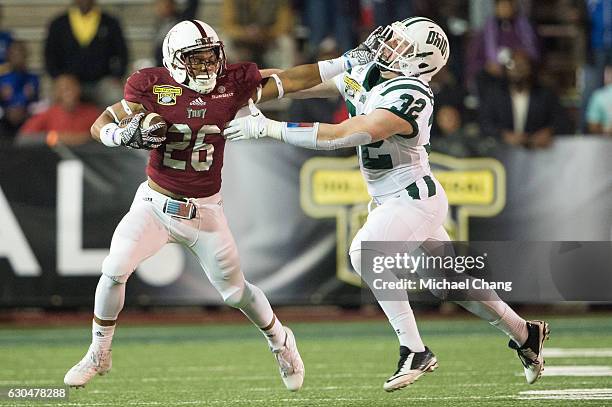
[254, 126]
[133, 136]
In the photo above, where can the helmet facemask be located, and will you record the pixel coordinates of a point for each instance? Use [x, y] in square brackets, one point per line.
[200, 65]
[203, 66]
[398, 52]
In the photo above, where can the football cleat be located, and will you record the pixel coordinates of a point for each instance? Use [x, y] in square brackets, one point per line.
[290, 363]
[93, 363]
[530, 353]
[410, 367]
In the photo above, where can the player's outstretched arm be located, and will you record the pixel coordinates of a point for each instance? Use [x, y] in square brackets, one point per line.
[307, 76]
[359, 130]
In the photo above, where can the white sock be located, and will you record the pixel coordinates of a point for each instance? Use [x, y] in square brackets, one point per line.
[402, 319]
[102, 336]
[498, 314]
[275, 335]
[512, 325]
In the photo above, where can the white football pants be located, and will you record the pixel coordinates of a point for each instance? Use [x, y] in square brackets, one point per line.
[145, 229]
[400, 218]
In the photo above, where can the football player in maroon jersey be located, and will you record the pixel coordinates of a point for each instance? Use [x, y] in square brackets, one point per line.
[196, 93]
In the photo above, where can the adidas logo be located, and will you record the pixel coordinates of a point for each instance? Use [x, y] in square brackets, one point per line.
[197, 102]
[99, 334]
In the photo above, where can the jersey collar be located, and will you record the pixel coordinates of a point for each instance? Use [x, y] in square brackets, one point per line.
[373, 78]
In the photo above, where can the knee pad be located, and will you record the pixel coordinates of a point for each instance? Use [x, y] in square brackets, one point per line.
[236, 297]
[116, 267]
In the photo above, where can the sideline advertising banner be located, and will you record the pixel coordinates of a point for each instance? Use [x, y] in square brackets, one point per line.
[293, 214]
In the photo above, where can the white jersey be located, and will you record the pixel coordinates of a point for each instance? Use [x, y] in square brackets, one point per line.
[394, 163]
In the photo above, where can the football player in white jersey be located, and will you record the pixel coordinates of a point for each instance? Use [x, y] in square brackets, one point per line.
[390, 105]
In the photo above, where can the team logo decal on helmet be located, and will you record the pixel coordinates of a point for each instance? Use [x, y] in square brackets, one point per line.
[194, 55]
[415, 46]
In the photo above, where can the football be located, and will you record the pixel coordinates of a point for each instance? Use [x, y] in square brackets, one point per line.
[147, 121]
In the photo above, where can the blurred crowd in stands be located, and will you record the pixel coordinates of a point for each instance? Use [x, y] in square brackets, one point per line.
[511, 79]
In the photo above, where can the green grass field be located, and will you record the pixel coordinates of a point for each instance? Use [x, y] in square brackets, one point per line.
[346, 364]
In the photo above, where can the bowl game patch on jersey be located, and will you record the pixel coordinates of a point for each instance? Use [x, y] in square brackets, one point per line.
[166, 94]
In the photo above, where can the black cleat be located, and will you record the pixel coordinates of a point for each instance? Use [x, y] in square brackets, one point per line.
[410, 367]
[530, 353]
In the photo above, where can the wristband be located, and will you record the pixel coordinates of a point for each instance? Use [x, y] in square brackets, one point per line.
[331, 68]
[109, 135]
[279, 85]
[259, 90]
[275, 129]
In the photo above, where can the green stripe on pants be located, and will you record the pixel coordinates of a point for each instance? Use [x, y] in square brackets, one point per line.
[413, 191]
[431, 186]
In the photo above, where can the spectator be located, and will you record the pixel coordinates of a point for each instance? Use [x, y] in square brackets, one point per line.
[388, 11]
[167, 16]
[504, 32]
[452, 133]
[89, 44]
[519, 111]
[68, 119]
[599, 111]
[259, 31]
[18, 90]
[599, 48]
[5, 42]
[452, 17]
[335, 18]
[450, 137]
[448, 92]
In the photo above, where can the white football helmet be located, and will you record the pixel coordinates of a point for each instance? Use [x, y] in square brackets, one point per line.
[415, 46]
[181, 43]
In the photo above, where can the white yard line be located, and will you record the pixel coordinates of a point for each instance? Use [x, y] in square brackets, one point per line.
[566, 394]
[578, 352]
[593, 371]
[264, 401]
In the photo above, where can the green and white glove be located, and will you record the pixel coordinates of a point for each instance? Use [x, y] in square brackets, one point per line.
[364, 53]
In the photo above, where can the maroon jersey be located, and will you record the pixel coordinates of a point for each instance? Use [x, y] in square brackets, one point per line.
[190, 160]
